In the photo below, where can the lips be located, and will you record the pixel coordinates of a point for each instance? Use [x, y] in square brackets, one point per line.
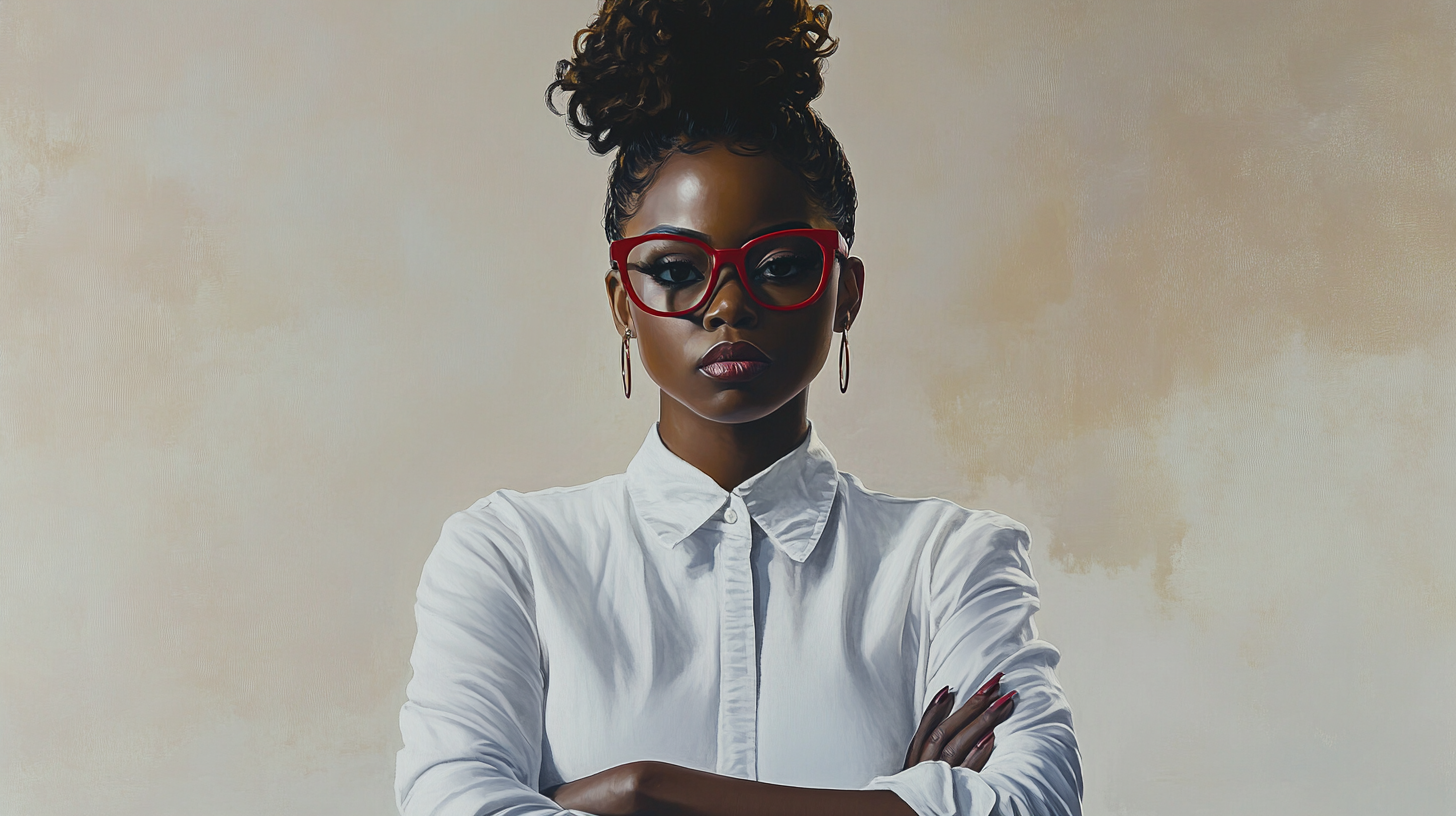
[734, 362]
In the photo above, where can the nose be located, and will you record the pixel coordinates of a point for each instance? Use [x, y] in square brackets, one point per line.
[731, 303]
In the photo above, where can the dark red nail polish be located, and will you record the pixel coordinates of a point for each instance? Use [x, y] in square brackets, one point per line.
[1002, 702]
[983, 741]
[940, 695]
[990, 684]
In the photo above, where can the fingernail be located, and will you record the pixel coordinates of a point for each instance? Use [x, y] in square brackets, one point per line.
[940, 695]
[990, 684]
[1002, 702]
[984, 741]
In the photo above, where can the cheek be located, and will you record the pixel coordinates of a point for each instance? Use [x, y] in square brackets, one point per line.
[663, 347]
[815, 333]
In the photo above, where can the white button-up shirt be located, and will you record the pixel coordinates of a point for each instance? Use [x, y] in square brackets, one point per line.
[790, 630]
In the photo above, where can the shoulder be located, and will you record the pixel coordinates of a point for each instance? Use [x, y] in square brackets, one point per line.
[509, 524]
[546, 507]
[955, 541]
[947, 520]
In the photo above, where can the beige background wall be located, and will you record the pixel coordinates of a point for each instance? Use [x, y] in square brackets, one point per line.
[282, 285]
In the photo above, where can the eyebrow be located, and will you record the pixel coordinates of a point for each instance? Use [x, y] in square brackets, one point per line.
[668, 229]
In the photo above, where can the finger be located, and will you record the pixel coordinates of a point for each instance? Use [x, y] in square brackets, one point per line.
[934, 712]
[976, 759]
[956, 749]
[951, 726]
[948, 728]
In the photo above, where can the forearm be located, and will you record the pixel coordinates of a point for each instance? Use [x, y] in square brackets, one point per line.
[670, 790]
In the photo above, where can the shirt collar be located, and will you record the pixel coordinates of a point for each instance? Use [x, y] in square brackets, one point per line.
[789, 499]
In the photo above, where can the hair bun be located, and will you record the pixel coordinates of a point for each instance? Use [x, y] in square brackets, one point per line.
[643, 64]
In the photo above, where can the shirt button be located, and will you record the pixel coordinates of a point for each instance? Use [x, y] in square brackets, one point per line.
[731, 516]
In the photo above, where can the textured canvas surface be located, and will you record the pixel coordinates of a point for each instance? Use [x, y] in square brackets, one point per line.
[282, 285]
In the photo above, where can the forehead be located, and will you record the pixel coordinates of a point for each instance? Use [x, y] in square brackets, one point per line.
[724, 195]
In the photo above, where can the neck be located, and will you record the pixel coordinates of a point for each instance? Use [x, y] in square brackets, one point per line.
[732, 452]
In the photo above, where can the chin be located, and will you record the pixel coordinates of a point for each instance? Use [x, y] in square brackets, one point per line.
[734, 406]
[734, 414]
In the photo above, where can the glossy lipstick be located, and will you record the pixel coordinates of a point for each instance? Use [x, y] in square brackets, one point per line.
[733, 362]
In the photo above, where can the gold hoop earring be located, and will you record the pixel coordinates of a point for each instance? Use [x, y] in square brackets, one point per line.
[627, 363]
[844, 360]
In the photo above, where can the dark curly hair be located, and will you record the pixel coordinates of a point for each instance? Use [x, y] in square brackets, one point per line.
[649, 78]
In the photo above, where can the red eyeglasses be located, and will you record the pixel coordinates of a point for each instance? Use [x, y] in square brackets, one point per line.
[671, 275]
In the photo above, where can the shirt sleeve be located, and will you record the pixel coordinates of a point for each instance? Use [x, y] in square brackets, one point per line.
[981, 598]
[472, 721]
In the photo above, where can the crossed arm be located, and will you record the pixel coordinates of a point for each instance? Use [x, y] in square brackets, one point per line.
[472, 723]
[963, 737]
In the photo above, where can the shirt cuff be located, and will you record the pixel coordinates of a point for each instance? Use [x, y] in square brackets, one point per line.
[936, 789]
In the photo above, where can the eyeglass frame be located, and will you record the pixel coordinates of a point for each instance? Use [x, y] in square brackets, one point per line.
[830, 241]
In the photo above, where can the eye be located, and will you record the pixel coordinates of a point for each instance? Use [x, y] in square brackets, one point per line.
[786, 268]
[670, 272]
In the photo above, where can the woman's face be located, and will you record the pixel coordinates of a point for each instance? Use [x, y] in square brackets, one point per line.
[725, 199]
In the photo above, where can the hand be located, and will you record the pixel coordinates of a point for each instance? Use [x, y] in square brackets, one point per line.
[965, 737]
[613, 792]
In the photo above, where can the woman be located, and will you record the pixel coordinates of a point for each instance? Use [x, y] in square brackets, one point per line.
[733, 625]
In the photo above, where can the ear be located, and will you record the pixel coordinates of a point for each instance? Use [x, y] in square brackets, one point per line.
[618, 301]
[851, 292]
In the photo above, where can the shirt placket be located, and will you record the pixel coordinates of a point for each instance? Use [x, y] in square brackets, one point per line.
[738, 679]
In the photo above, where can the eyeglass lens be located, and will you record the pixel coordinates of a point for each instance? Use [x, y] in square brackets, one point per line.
[672, 276]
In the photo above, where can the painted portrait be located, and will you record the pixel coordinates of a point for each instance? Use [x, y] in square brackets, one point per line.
[727, 406]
